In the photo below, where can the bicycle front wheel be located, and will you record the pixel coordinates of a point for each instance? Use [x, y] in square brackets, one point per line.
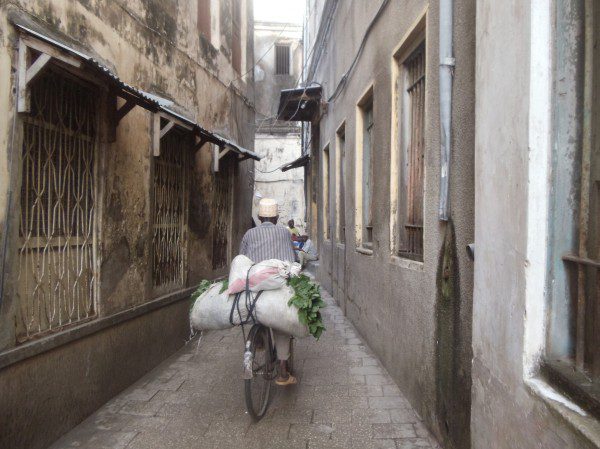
[258, 388]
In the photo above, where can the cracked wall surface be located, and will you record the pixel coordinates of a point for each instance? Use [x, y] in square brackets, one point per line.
[155, 46]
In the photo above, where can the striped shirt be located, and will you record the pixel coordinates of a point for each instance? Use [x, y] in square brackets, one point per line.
[268, 241]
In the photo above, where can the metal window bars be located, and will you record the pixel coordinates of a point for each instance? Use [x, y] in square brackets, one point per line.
[222, 211]
[57, 253]
[412, 241]
[169, 239]
[282, 59]
[586, 296]
[341, 175]
[367, 175]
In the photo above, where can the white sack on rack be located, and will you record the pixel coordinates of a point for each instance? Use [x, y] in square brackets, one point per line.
[212, 309]
[266, 275]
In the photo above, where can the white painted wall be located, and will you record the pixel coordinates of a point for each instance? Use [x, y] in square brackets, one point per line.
[286, 187]
[277, 142]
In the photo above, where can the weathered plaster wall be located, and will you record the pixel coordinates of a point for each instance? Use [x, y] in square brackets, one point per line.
[286, 187]
[46, 395]
[153, 45]
[277, 142]
[514, 129]
[268, 84]
[397, 304]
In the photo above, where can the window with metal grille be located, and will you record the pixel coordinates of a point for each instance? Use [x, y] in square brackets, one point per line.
[223, 212]
[366, 158]
[170, 212]
[236, 30]
[573, 347]
[282, 59]
[412, 147]
[204, 18]
[341, 184]
[325, 191]
[57, 281]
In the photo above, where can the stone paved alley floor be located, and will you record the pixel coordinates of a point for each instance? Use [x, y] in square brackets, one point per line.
[344, 399]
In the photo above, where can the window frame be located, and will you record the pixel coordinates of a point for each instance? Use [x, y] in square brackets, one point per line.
[99, 142]
[565, 361]
[186, 158]
[326, 192]
[225, 175]
[340, 183]
[365, 104]
[400, 140]
[287, 64]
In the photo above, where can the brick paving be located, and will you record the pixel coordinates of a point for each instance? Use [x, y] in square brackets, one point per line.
[344, 399]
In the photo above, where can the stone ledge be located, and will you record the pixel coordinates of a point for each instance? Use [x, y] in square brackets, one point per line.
[33, 348]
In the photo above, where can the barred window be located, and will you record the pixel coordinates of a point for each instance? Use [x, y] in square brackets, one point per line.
[57, 280]
[325, 191]
[410, 102]
[366, 159]
[222, 212]
[171, 178]
[282, 59]
[340, 151]
[572, 358]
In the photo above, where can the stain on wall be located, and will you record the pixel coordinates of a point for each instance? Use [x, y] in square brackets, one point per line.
[150, 44]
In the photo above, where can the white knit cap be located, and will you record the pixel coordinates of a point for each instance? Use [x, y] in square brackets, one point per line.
[268, 208]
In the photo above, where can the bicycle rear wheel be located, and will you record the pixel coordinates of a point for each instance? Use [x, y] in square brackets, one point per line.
[258, 388]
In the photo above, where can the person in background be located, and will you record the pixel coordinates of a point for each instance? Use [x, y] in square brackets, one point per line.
[292, 228]
[271, 241]
[306, 250]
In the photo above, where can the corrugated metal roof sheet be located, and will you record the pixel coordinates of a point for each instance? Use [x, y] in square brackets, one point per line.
[296, 163]
[147, 100]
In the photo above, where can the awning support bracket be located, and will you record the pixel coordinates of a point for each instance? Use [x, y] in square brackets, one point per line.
[160, 131]
[199, 144]
[28, 72]
[165, 129]
[218, 153]
[124, 110]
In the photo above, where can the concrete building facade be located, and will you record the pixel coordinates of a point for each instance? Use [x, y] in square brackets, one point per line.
[400, 274]
[501, 351]
[279, 51]
[126, 177]
[536, 292]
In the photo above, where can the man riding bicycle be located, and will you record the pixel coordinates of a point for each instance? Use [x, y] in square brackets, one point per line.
[271, 241]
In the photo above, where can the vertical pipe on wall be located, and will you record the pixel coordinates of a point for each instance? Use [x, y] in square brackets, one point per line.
[446, 74]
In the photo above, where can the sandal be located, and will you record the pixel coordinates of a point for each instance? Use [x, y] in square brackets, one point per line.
[290, 380]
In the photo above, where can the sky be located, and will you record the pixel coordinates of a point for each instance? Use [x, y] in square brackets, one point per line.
[279, 10]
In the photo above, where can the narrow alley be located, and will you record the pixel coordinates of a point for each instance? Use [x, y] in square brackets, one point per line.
[168, 164]
[344, 399]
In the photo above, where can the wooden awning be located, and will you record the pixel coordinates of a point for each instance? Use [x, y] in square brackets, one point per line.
[302, 104]
[37, 49]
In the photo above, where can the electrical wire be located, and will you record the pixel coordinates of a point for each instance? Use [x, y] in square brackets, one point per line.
[271, 171]
[347, 74]
[263, 56]
[304, 65]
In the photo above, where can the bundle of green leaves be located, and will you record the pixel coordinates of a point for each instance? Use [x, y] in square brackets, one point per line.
[307, 298]
[204, 286]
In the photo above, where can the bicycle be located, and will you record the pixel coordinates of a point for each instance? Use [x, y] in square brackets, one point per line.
[260, 368]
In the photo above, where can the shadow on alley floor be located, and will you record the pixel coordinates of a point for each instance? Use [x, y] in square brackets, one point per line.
[344, 399]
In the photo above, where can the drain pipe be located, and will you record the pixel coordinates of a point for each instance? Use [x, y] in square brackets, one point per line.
[447, 63]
